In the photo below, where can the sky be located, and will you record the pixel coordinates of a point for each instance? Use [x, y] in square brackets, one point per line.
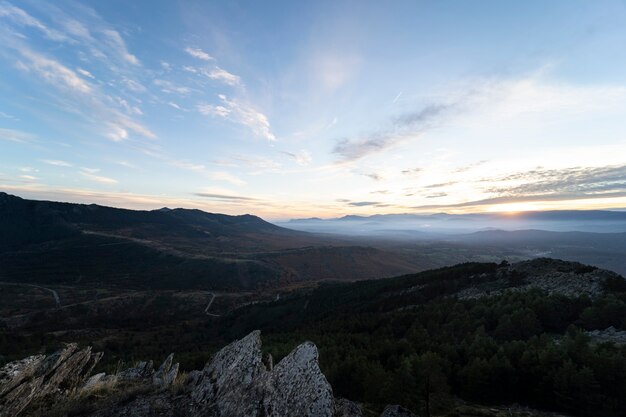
[320, 108]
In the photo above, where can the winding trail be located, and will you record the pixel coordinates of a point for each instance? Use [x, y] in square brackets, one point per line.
[206, 310]
[55, 294]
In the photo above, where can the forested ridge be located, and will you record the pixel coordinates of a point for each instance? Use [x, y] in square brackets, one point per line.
[406, 340]
[487, 333]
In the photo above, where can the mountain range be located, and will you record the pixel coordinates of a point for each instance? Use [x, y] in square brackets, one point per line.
[429, 225]
[52, 242]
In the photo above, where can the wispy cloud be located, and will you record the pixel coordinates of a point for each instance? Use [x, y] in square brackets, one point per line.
[75, 28]
[53, 71]
[85, 73]
[302, 158]
[225, 197]
[57, 162]
[405, 126]
[364, 203]
[91, 174]
[241, 113]
[375, 176]
[134, 85]
[538, 185]
[8, 116]
[119, 127]
[22, 18]
[220, 74]
[188, 165]
[171, 88]
[440, 184]
[585, 181]
[260, 164]
[474, 102]
[198, 53]
[227, 177]
[367, 204]
[437, 195]
[80, 96]
[412, 171]
[117, 43]
[13, 135]
[213, 175]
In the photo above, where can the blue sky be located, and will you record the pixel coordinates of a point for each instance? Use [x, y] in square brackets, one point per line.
[294, 109]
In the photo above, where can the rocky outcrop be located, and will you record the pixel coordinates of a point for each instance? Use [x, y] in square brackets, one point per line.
[610, 334]
[230, 382]
[35, 377]
[396, 411]
[297, 385]
[166, 374]
[551, 276]
[237, 382]
[142, 373]
[347, 408]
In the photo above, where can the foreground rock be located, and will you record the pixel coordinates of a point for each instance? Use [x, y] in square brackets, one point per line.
[396, 411]
[236, 382]
[35, 377]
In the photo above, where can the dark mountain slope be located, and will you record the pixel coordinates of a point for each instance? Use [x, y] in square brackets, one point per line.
[28, 221]
[63, 243]
[496, 334]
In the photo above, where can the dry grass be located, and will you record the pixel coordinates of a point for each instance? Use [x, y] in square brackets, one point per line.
[99, 396]
[180, 386]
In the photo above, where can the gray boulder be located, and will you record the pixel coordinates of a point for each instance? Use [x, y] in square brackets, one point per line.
[297, 386]
[396, 411]
[229, 383]
[235, 383]
[166, 374]
[347, 408]
[35, 377]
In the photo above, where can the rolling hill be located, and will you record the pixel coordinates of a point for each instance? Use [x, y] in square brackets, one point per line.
[64, 243]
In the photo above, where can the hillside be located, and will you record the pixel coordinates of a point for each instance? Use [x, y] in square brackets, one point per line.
[62, 243]
[545, 334]
[532, 333]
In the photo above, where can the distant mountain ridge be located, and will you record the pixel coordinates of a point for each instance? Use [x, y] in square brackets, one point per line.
[543, 215]
[43, 241]
[557, 220]
[67, 219]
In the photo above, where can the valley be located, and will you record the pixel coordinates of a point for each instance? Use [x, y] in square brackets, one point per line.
[464, 309]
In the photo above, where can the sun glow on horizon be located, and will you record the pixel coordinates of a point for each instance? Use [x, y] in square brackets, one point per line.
[515, 208]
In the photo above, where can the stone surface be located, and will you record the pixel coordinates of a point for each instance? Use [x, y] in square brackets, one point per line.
[166, 374]
[35, 377]
[552, 276]
[142, 370]
[347, 408]
[297, 385]
[235, 383]
[610, 334]
[230, 382]
[396, 411]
